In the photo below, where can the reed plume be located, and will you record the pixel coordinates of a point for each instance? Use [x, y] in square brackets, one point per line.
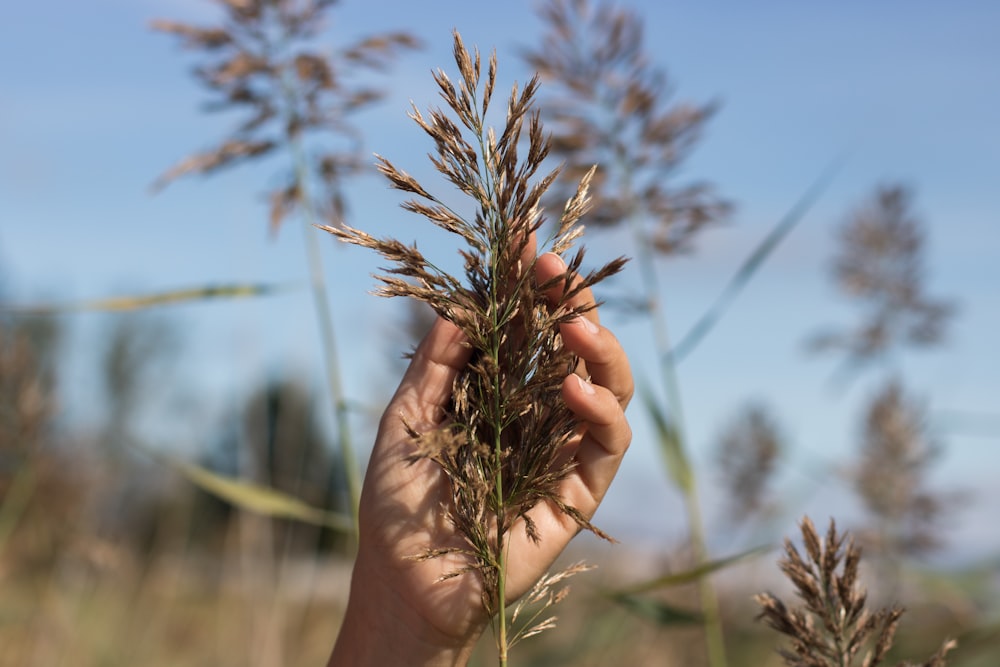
[833, 627]
[613, 106]
[747, 454]
[896, 455]
[263, 59]
[502, 446]
[880, 265]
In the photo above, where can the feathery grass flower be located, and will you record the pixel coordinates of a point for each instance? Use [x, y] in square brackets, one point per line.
[502, 446]
[833, 626]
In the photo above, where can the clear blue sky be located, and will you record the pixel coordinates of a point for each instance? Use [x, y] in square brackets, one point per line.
[94, 106]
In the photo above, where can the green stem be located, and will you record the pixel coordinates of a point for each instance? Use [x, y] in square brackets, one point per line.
[501, 572]
[499, 233]
[15, 500]
[498, 418]
[714, 639]
[321, 299]
[324, 316]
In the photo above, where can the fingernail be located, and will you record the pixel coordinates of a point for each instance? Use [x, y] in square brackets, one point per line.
[585, 386]
[588, 325]
[562, 262]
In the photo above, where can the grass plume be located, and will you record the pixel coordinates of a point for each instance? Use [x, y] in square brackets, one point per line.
[611, 106]
[503, 446]
[614, 107]
[263, 59]
[891, 477]
[747, 453]
[833, 627]
[880, 265]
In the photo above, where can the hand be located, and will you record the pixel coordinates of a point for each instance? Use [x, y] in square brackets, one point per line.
[399, 612]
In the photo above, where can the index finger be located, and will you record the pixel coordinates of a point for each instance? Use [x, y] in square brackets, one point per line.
[435, 364]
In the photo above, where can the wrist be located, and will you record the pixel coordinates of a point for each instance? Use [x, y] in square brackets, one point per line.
[380, 628]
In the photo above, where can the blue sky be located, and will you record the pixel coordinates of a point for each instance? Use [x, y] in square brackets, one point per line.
[94, 106]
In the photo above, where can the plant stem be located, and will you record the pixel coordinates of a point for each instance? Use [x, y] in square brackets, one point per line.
[499, 233]
[324, 317]
[501, 572]
[15, 500]
[714, 639]
[321, 299]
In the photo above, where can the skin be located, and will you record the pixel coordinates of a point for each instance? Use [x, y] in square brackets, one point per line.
[398, 611]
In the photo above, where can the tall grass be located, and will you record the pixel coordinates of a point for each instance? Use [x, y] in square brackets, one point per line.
[70, 594]
[614, 108]
[503, 446]
[263, 59]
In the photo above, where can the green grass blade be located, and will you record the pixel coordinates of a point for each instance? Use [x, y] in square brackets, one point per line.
[15, 502]
[671, 447]
[140, 302]
[657, 611]
[695, 573]
[255, 497]
[753, 263]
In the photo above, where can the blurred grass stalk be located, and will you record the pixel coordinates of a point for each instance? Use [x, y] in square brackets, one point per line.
[614, 109]
[674, 444]
[263, 58]
[14, 501]
[328, 338]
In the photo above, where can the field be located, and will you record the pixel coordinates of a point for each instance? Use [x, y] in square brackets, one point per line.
[182, 454]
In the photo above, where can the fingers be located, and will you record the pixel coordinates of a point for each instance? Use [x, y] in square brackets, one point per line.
[550, 266]
[436, 362]
[598, 404]
[605, 359]
[606, 438]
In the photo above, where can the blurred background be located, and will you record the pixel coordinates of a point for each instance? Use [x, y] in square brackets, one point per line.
[808, 193]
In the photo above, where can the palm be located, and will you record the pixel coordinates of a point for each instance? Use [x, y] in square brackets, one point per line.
[403, 512]
[403, 505]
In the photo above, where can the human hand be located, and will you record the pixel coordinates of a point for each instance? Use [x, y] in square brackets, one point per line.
[400, 611]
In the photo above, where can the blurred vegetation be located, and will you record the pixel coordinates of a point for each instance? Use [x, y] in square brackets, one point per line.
[111, 556]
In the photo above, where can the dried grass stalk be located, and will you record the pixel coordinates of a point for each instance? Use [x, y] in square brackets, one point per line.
[832, 627]
[747, 454]
[611, 105]
[880, 266]
[502, 444]
[264, 60]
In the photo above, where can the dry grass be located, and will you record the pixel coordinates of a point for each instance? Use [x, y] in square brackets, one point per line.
[173, 610]
[891, 476]
[503, 445]
[266, 60]
[609, 104]
[110, 606]
[833, 627]
[879, 264]
[71, 595]
[747, 454]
